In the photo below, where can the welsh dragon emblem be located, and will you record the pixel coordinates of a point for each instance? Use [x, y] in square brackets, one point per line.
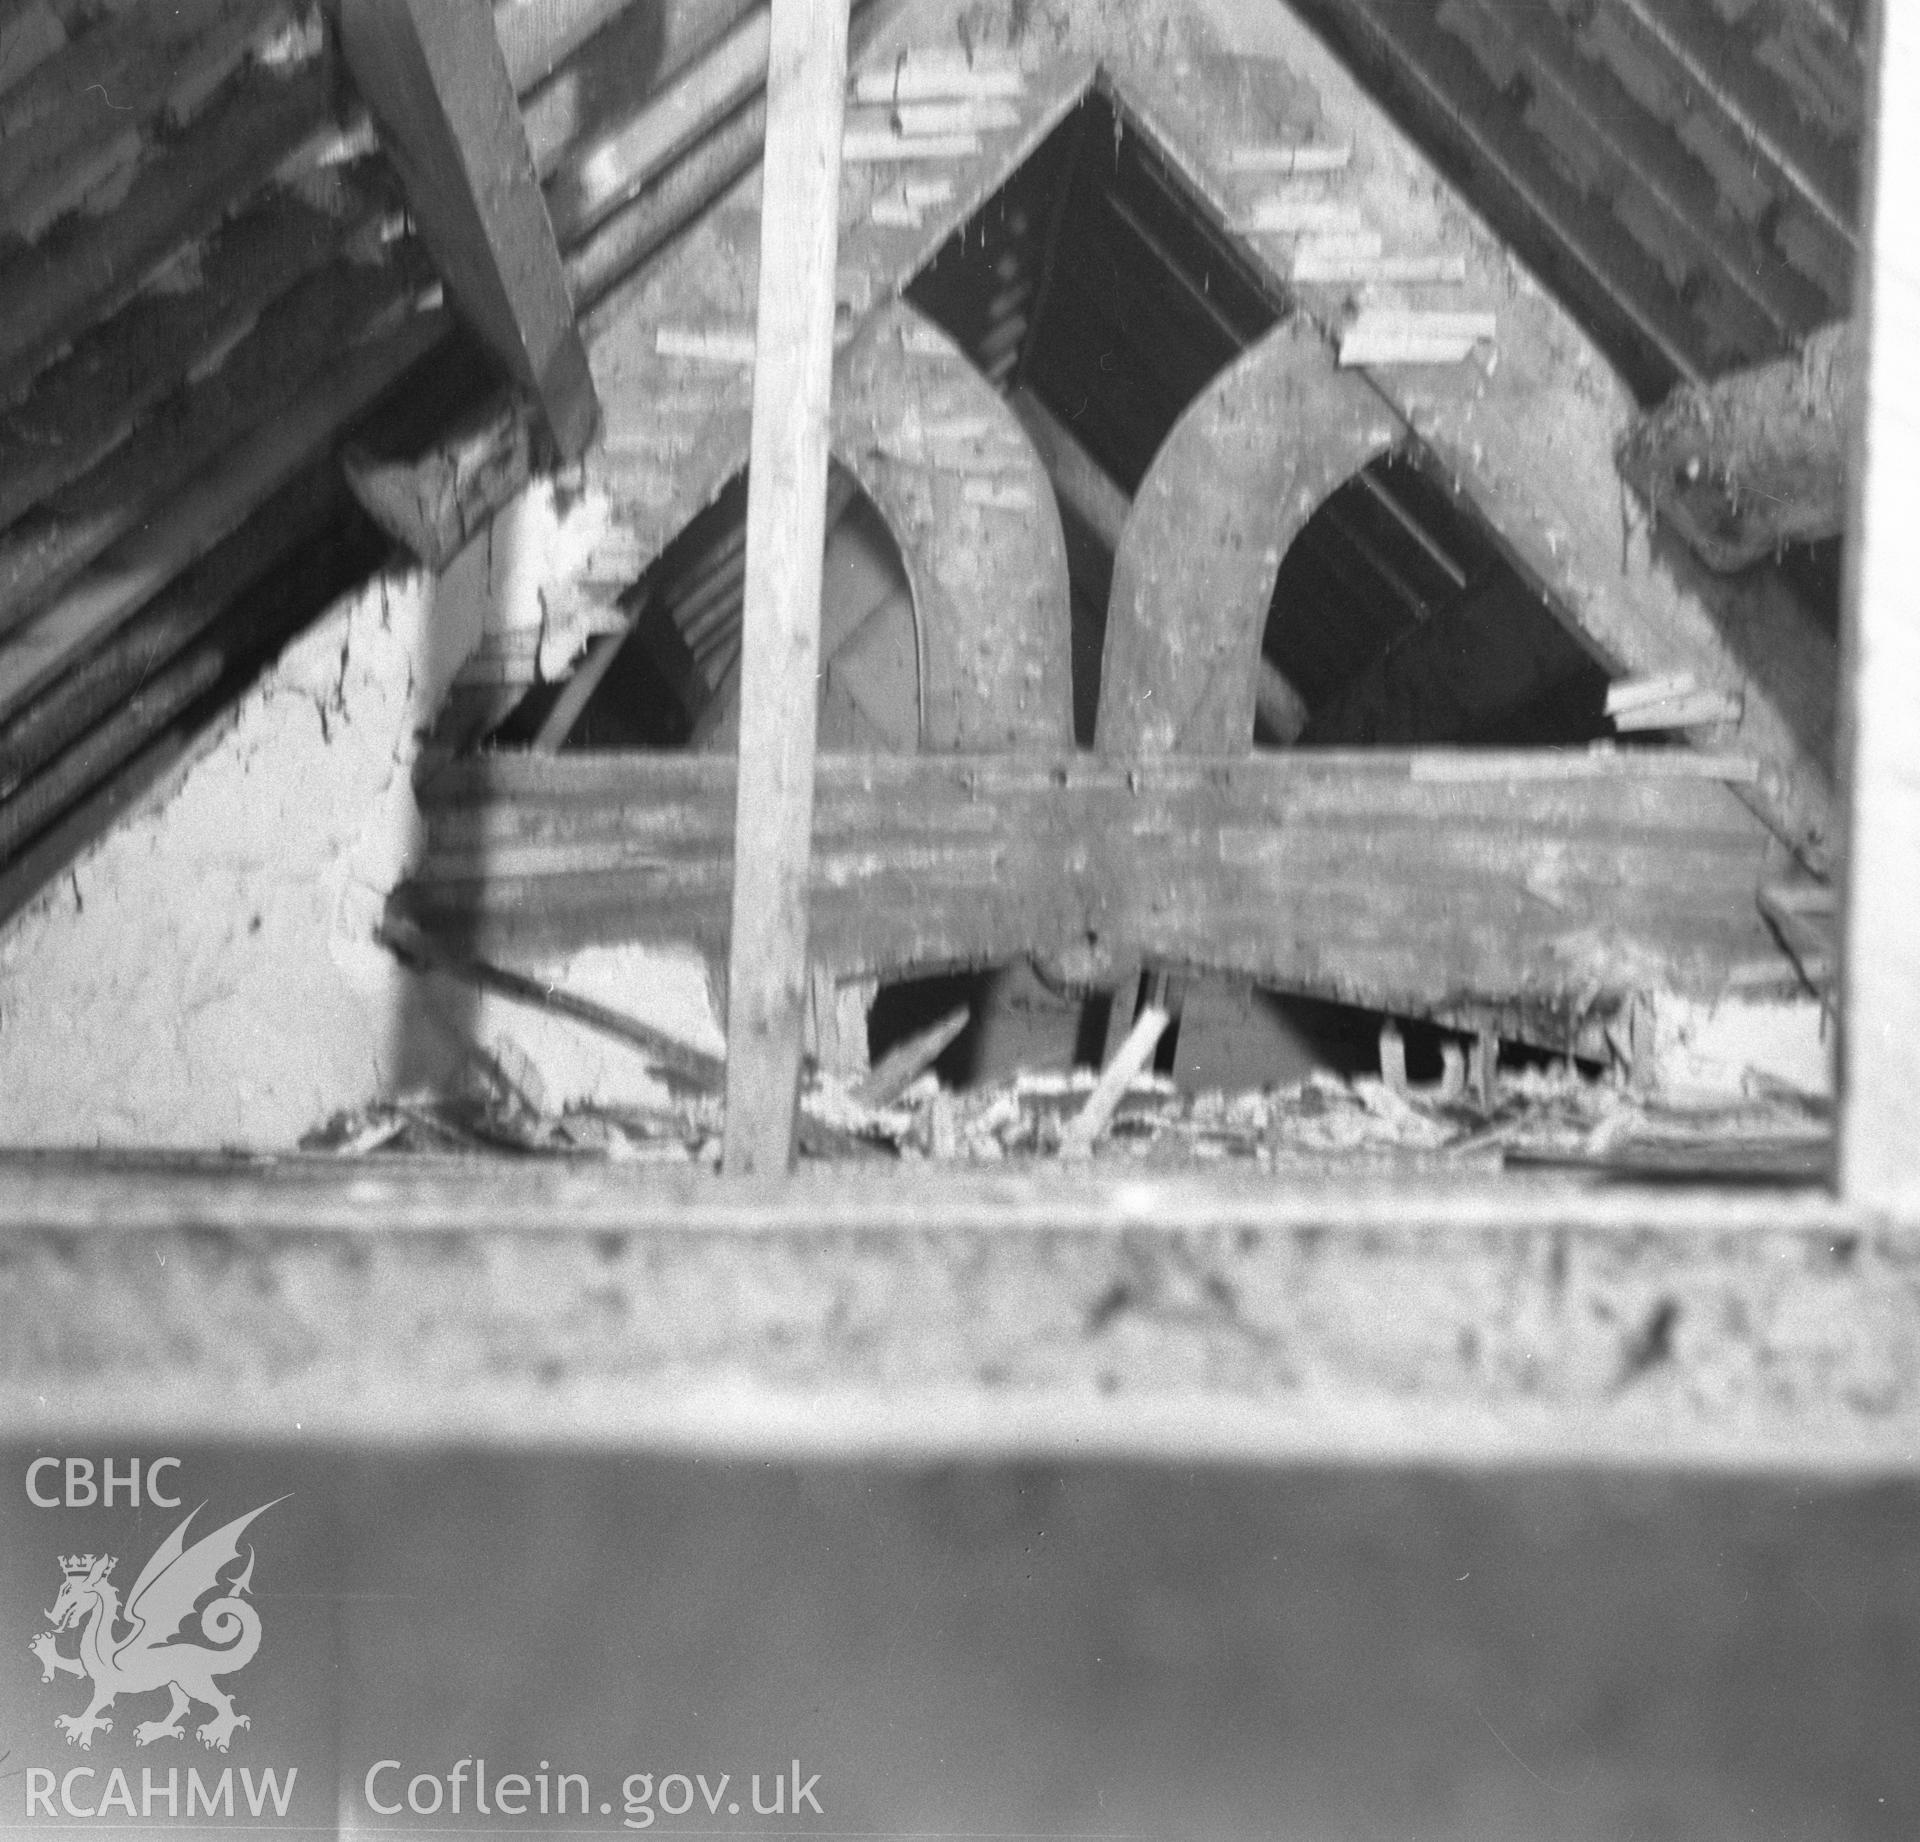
[139, 1648]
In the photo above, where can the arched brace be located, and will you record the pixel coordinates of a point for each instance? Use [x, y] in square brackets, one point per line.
[1245, 467]
[970, 505]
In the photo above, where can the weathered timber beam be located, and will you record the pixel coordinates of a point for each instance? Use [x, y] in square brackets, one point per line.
[1756, 459]
[663, 165]
[1403, 881]
[601, 176]
[436, 78]
[1246, 466]
[786, 529]
[537, 36]
[1880, 962]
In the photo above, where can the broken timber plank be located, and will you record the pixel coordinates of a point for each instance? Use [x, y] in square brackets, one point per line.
[1134, 1053]
[438, 82]
[1880, 968]
[786, 528]
[1346, 874]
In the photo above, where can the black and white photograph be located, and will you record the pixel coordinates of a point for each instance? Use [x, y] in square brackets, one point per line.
[960, 920]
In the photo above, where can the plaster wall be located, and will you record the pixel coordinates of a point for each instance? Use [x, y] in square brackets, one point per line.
[207, 974]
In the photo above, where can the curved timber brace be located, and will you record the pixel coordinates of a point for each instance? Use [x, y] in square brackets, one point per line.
[958, 481]
[1246, 466]
[963, 493]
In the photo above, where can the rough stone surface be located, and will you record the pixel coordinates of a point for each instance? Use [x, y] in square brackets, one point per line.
[910, 1311]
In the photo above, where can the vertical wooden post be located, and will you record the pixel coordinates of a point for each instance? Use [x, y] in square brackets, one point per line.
[786, 527]
[1879, 1080]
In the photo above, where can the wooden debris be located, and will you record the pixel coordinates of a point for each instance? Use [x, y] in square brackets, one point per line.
[880, 146]
[707, 345]
[1287, 158]
[928, 76]
[1483, 1061]
[904, 1064]
[1292, 216]
[1632, 693]
[1331, 261]
[1671, 701]
[1086, 1126]
[967, 117]
[1413, 336]
[1694, 710]
[1322, 1125]
[1393, 1057]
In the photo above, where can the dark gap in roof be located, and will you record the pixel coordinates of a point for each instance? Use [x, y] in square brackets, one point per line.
[1815, 572]
[1399, 621]
[1125, 309]
[672, 680]
[1128, 298]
